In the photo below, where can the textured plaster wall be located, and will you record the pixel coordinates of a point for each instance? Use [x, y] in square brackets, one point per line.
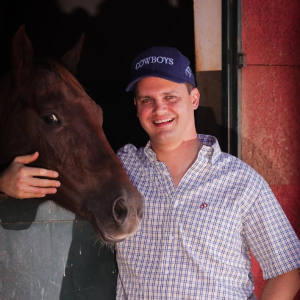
[270, 115]
[208, 39]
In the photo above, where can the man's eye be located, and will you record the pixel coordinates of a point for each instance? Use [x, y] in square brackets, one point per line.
[146, 100]
[170, 97]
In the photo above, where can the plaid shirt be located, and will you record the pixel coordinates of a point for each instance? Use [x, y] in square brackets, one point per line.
[194, 240]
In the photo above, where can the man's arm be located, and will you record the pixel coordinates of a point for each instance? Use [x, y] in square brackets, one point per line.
[282, 287]
[19, 181]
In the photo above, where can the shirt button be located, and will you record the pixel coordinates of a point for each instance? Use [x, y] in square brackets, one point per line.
[171, 237]
[176, 203]
[167, 272]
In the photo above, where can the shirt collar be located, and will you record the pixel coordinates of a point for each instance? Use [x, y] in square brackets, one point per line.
[210, 149]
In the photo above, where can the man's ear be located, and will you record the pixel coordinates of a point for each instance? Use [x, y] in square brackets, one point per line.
[195, 96]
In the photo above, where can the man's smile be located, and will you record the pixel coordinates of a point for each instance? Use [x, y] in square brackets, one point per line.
[158, 122]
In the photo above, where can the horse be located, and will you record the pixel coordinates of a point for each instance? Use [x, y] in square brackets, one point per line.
[44, 108]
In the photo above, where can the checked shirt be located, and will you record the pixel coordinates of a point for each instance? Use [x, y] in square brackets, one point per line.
[194, 240]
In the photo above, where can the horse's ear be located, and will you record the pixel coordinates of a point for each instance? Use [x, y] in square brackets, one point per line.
[22, 54]
[72, 57]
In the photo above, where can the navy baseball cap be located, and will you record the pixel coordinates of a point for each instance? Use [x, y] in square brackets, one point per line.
[164, 62]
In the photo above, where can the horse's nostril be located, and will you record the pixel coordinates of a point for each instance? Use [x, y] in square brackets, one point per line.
[120, 210]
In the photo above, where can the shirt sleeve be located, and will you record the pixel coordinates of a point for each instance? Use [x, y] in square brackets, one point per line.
[270, 236]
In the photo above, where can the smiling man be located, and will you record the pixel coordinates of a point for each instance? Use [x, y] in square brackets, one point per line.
[203, 209]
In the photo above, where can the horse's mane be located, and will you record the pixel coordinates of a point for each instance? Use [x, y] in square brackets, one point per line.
[60, 70]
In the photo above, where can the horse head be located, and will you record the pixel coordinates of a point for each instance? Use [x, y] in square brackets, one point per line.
[44, 108]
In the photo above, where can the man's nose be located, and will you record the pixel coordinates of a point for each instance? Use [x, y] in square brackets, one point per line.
[159, 106]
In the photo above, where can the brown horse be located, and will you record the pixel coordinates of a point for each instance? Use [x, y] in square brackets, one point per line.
[44, 108]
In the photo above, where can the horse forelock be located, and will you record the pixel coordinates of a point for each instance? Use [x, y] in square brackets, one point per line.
[61, 71]
[9, 85]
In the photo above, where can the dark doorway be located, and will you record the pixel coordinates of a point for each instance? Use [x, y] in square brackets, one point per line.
[115, 31]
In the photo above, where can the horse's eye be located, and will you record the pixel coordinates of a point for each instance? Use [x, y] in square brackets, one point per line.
[51, 119]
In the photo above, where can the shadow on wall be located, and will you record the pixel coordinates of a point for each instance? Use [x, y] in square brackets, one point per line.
[206, 123]
[46, 253]
[14, 211]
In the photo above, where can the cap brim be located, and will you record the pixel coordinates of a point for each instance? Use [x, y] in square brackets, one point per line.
[176, 79]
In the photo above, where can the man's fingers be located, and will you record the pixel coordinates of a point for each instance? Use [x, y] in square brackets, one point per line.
[33, 192]
[26, 159]
[21, 181]
[41, 172]
[38, 191]
[37, 182]
[28, 195]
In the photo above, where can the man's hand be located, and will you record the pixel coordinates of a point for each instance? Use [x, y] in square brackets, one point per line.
[19, 181]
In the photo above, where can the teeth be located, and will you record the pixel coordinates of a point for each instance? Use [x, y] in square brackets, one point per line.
[163, 121]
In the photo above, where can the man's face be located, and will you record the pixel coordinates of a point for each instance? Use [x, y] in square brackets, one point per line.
[166, 109]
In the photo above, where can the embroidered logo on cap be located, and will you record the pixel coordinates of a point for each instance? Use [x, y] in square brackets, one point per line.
[153, 60]
[188, 72]
[164, 62]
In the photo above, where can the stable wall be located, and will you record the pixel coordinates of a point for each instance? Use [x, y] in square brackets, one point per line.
[270, 105]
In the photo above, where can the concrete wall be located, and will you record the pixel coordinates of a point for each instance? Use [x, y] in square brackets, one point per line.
[208, 65]
[270, 121]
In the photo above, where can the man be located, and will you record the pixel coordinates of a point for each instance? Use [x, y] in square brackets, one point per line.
[203, 209]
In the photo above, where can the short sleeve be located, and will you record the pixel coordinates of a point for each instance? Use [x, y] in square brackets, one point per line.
[270, 235]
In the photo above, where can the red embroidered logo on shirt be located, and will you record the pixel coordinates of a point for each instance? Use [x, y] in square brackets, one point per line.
[203, 205]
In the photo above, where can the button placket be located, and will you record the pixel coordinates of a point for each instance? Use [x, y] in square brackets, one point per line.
[169, 242]
[167, 253]
[169, 189]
